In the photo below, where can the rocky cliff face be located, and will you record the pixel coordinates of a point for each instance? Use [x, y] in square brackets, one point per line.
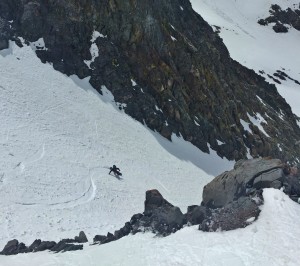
[166, 66]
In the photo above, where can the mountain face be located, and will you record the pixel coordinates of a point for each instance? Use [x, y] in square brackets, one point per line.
[166, 68]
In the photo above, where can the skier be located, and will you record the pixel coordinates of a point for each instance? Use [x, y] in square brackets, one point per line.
[115, 170]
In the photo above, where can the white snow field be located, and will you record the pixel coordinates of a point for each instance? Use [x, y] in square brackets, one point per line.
[57, 139]
[272, 240]
[254, 46]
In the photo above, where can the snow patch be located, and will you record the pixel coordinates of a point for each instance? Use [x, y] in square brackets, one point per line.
[249, 156]
[172, 27]
[257, 121]
[261, 100]
[220, 142]
[173, 38]
[158, 109]
[38, 45]
[255, 46]
[133, 83]
[246, 126]
[107, 95]
[94, 48]
[250, 220]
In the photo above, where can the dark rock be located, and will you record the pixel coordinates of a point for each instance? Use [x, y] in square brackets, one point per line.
[293, 183]
[99, 238]
[68, 240]
[118, 234]
[154, 200]
[124, 231]
[72, 247]
[36, 243]
[135, 218]
[237, 214]
[5, 33]
[160, 216]
[22, 248]
[234, 184]
[196, 214]
[81, 238]
[192, 83]
[109, 238]
[3, 44]
[45, 245]
[262, 22]
[279, 75]
[275, 8]
[11, 248]
[281, 18]
[272, 178]
[280, 28]
[62, 246]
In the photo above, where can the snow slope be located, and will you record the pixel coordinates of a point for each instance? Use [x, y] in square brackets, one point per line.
[57, 139]
[273, 240]
[255, 46]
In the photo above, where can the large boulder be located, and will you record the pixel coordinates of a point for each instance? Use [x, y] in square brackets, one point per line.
[273, 178]
[13, 247]
[81, 238]
[160, 216]
[154, 200]
[231, 185]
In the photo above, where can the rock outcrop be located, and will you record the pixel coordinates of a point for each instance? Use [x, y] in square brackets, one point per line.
[13, 247]
[230, 201]
[159, 217]
[164, 65]
[283, 19]
[246, 177]
[233, 198]
[231, 185]
[237, 214]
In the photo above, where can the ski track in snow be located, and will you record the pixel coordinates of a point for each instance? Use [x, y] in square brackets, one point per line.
[56, 140]
[86, 197]
[271, 241]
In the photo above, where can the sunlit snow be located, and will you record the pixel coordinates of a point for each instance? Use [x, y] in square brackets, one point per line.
[58, 137]
[254, 46]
